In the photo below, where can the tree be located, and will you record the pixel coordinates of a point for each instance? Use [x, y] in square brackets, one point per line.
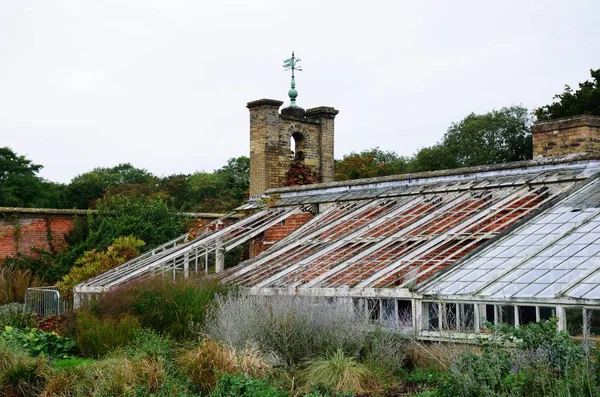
[369, 163]
[585, 100]
[223, 189]
[19, 184]
[86, 188]
[496, 137]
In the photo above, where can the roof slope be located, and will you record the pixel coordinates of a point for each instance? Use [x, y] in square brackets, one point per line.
[554, 256]
[395, 234]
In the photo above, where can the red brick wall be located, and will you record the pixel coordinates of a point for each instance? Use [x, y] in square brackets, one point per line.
[277, 232]
[21, 233]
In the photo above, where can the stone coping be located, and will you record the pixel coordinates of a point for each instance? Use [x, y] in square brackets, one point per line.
[59, 211]
[566, 123]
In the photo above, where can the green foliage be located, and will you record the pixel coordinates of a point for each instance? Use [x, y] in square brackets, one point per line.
[96, 337]
[71, 362]
[15, 315]
[543, 362]
[369, 163]
[86, 188]
[21, 187]
[93, 262]
[148, 219]
[164, 305]
[585, 100]
[340, 372]
[223, 189]
[244, 386]
[38, 342]
[496, 137]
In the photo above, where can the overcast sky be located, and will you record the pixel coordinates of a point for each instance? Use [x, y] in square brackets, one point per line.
[164, 84]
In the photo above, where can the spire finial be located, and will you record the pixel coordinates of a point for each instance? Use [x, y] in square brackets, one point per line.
[292, 64]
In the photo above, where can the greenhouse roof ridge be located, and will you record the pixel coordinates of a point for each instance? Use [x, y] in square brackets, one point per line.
[482, 171]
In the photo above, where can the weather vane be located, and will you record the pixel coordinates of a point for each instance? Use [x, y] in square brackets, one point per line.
[292, 64]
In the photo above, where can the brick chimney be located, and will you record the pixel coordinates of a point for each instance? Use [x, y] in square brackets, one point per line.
[579, 134]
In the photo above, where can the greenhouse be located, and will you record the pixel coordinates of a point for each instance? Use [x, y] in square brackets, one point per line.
[442, 252]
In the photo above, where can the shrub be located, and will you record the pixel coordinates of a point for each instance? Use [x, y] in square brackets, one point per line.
[205, 363]
[244, 386]
[39, 343]
[14, 283]
[295, 328]
[15, 315]
[340, 372]
[164, 305]
[20, 374]
[93, 262]
[543, 362]
[96, 337]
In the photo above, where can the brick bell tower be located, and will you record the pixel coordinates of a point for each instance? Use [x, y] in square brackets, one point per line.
[294, 134]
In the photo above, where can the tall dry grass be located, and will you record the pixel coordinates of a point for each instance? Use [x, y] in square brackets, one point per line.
[14, 284]
[340, 372]
[205, 364]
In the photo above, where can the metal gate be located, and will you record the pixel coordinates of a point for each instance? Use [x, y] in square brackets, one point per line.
[45, 301]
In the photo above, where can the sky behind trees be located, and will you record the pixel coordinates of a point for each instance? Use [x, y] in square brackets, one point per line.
[163, 84]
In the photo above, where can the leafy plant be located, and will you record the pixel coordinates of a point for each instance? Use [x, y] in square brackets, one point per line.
[93, 262]
[40, 343]
[244, 386]
[340, 372]
[300, 174]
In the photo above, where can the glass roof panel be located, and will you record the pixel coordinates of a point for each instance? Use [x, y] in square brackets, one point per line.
[593, 294]
[530, 291]
[551, 290]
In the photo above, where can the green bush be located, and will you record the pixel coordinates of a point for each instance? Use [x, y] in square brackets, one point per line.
[39, 343]
[96, 337]
[15, 315]
[164, 305]
[244, 386]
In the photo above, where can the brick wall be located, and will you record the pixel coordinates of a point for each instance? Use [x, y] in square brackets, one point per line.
[579, 134]
[23, 230]
[23, 233]
[277, 232]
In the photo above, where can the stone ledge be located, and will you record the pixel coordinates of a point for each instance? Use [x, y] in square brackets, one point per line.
[566, 123]
[264, 102]
[70, 212]
[322, 111]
